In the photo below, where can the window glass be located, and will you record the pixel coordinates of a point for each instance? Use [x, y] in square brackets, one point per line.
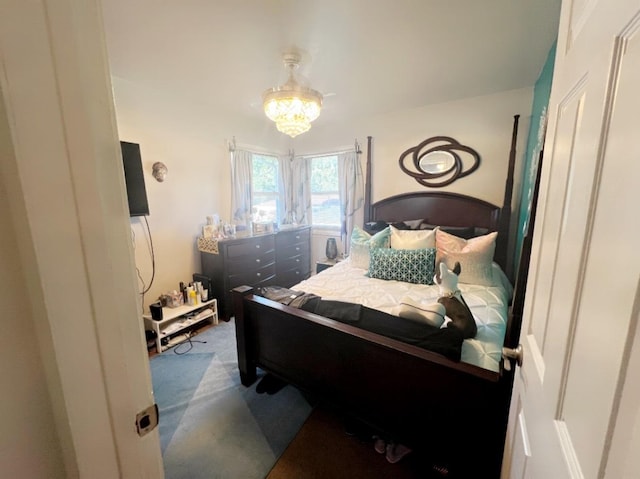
[264, 188]
[325, 195]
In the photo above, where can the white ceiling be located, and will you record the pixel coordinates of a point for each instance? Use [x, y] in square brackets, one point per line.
[366, 56]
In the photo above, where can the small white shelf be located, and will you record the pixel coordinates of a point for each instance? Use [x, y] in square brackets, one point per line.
[175, 320]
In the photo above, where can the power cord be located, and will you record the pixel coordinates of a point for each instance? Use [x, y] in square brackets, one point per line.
[145, 288]
[153, 257]
[187, 341]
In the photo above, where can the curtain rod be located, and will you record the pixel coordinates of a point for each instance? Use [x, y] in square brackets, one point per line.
[346, 149]
[233, 146]
[254, 149]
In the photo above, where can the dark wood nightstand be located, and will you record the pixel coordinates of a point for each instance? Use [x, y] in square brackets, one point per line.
[325, 263]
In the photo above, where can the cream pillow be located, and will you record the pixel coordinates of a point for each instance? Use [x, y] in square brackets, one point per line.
[475, 256]
[412, 239]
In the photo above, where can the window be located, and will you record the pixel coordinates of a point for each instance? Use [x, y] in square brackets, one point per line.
[323, 188]
[325, 192]
[264, 188]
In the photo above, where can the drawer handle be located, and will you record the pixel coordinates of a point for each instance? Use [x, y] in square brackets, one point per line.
[297, 260]
[258, 275]
[258, 260]
[297, 248]
[258, 246]
[297, 272]
[297, 236]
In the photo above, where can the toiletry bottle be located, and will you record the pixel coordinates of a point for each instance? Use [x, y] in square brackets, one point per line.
[185, 297]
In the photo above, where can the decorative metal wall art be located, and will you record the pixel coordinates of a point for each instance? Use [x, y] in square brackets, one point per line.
[159, 171]
[438, 161]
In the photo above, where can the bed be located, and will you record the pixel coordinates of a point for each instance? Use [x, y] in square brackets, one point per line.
[453, 412]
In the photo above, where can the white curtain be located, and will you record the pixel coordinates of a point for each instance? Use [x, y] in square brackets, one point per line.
[241, 187]
[351, 195]
[285, 170]
[295, 179]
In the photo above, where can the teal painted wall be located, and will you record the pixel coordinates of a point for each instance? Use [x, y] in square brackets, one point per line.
[535, 142]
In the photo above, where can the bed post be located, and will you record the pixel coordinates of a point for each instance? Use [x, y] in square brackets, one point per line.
[367, 184]
[505, 214]
[514, 324]
[246, 362]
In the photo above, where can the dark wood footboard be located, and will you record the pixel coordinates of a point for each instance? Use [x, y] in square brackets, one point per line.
[454, 411]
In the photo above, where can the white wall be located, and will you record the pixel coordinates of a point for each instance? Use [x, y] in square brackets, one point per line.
[191, 139]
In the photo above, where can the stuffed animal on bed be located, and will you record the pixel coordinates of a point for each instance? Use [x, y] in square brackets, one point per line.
[450, 305]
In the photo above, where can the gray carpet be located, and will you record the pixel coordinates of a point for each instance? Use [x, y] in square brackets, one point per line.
[210, 425]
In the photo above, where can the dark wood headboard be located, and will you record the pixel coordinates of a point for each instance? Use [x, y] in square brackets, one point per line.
[448, 209]
[437, 208]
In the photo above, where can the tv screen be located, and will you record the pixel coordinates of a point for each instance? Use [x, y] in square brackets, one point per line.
[134, 178]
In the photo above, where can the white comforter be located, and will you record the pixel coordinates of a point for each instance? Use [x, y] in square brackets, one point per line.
[344, 282]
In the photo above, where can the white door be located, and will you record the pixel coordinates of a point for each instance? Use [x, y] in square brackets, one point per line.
[574, 410]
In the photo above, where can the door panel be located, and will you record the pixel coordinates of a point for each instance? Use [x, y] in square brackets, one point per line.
[521, 448]
[568, 128]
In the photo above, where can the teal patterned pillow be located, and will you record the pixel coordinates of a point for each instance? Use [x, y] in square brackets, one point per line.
[408, 265]
[362, 242]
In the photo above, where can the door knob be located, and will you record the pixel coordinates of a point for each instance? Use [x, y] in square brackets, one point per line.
[516, 353]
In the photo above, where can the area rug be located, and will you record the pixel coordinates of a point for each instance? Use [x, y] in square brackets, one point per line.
[211, 426]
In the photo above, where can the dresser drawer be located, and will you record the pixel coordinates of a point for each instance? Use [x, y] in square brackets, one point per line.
[300, 262]
[250, 263]
[289, 278]
[250, 247]
[252, 278]
[284, 253]
[290, 238]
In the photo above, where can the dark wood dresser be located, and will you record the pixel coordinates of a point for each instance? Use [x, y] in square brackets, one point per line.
[282, 259]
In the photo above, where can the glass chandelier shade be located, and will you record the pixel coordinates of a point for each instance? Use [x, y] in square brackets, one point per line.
[292, 106]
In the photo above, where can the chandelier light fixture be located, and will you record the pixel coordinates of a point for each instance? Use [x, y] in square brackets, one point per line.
[292, 106]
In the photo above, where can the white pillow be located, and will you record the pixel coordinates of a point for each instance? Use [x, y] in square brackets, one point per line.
[475, 256]
[412, 239]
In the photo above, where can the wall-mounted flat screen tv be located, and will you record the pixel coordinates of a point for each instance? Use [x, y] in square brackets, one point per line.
[134, 178]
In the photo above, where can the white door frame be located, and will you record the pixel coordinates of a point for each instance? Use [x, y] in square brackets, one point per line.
[65, 186]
